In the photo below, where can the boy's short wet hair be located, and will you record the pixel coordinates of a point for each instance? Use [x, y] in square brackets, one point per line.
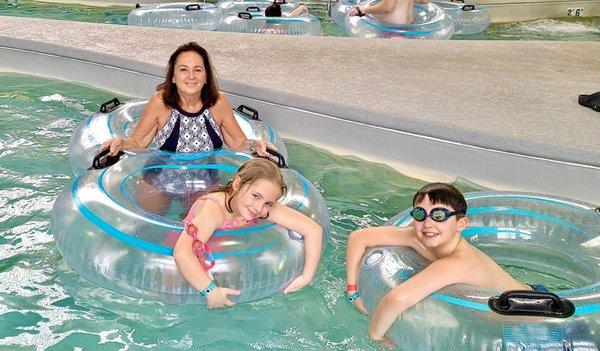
[442, 193]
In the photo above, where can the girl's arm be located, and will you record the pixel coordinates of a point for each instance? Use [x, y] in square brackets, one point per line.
[437, 275]
[233, 136]
[360, 240]
[145, 129]
[207, 219]
[313, 241]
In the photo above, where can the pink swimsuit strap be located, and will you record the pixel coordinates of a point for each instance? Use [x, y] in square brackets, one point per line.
[227, 224]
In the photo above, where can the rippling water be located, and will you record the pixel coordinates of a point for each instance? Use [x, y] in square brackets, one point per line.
[45, 305]
[568, 28]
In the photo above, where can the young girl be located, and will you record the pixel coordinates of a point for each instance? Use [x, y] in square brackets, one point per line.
[250, 196]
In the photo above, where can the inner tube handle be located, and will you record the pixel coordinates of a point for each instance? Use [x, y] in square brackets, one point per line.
[252, 114]
[109, 105]
[102, 160]
[253, 9]
[192, 7]
[280, 159]
[531, 303]
[468, 7]
[245, 15]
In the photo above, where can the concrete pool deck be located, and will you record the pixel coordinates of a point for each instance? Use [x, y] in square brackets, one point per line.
[517, 98]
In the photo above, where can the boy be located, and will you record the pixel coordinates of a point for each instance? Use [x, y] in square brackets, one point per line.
[439, 218]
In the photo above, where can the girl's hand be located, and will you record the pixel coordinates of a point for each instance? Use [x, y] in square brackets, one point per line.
[114, 144]
[297, 284]
[260, 146]
[218, 297]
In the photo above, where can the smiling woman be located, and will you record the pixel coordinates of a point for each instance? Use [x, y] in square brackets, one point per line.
[187, 114]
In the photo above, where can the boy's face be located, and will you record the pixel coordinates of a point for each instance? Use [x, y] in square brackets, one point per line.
[432, 233]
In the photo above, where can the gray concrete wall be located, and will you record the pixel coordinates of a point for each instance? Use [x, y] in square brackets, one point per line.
[503, 114]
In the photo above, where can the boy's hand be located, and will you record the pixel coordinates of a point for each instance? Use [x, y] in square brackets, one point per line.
[218, 297]
[360, 305]
[388, 343]
[297, 284]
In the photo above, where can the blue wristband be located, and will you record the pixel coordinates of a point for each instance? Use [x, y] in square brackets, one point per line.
[354, 296]
[212, 286]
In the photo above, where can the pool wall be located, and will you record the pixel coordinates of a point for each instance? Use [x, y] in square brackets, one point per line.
[501, 114]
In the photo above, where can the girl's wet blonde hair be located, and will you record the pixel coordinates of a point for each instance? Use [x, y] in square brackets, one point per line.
[250, 172]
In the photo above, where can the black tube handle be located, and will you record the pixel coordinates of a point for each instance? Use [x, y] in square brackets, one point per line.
[252, 113]
[531, 303]
[280, 159]
[280, 2]
[102, 160]
[253, 9]
[245, 15]
[192, 7]
[463, 1]
[109, 105]
[468, 7]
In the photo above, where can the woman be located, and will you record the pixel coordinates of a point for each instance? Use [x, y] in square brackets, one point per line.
[187, 113]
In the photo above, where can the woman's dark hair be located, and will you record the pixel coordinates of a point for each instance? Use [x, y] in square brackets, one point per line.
[442, 193]
[274, 10]
[210, 91]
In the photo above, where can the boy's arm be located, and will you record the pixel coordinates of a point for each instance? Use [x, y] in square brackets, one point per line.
[313, 241]
[439, 274]
[360, 240]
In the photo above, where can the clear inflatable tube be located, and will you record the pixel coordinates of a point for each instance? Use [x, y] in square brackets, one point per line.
[96, 129]
[469, 18]
[431, 22]
[257, 23]
[554, 236]
[108, 229]
[227, 6]
[340, 9]
[185, 15]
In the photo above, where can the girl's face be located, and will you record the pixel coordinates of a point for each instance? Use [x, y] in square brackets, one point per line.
[190, 74]
[434, 234]
[254, 200]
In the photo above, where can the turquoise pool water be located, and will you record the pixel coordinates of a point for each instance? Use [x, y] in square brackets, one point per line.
[568, 28]
[44, 305]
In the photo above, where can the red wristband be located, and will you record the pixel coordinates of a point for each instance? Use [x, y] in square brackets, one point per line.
[351, 287]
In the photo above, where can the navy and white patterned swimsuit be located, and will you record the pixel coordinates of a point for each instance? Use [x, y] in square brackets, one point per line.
[186, 133]
[189, 132]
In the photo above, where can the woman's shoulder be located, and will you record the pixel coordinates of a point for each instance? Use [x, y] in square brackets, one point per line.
[221, 109]
[157, 104]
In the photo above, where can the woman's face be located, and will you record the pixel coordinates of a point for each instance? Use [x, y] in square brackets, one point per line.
[189, 75]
